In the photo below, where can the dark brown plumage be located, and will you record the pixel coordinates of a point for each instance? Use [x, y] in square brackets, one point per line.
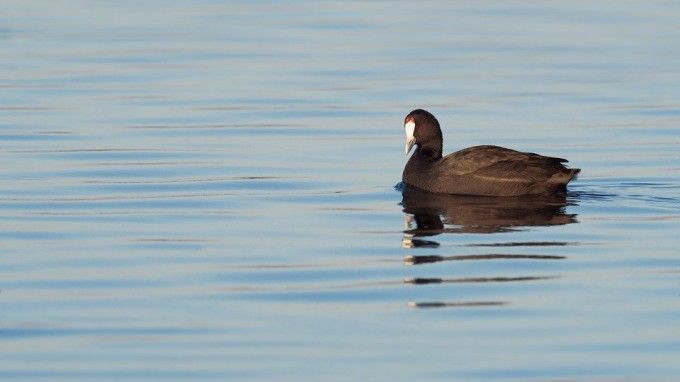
[479, 170]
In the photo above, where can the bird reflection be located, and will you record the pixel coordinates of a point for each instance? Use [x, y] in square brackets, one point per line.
[429, 214]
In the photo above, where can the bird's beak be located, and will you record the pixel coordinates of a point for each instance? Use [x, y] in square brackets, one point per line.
[409, 127]
[409, 145]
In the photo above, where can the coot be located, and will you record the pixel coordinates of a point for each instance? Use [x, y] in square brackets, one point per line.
[479, 170]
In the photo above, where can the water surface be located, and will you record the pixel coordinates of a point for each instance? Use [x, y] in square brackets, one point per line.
[206, 191]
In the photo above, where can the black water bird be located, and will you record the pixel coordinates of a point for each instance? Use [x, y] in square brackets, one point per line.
[479, 170]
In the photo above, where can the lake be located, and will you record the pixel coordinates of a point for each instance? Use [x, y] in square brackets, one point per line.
[211, 191]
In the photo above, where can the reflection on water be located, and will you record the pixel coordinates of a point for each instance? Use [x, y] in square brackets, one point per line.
[437, 280]
[414, 260]
[454, 304]
[429, 214]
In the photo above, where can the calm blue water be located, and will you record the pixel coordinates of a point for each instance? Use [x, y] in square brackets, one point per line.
[206, 191]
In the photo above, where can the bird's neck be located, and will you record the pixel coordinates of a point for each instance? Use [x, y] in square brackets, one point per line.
[431, 151]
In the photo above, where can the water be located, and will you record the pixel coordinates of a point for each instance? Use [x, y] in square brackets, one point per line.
[206, 191]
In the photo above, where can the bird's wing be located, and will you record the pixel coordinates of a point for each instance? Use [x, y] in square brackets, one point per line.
[495, 160]
[519, 171]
